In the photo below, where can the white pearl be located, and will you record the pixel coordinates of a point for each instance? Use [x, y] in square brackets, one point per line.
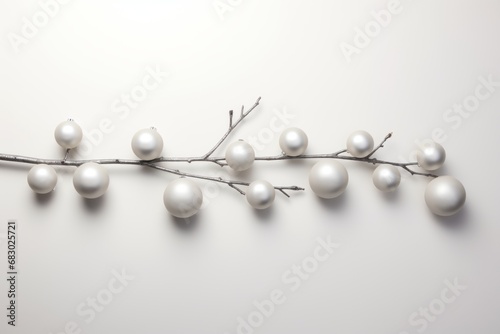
[182, 198]
[68, 134]
[260, 194]
[445, 195]
[293, 142]
[431, 156]
[328, 179]
[240, 155]
[359, 144]
[91, 180]
[147, 144]
[386, 177]
[42, 179]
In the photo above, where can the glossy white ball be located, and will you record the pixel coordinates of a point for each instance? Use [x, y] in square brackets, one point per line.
[260, 194]
[328, 179]
[386, 178]
[68, 134]
[293, 142]
[182, 198]
[359, 144]
[147, 144]
[240, 155]
[431, 156]
[91, 180]
[42, 179]
[445, 195]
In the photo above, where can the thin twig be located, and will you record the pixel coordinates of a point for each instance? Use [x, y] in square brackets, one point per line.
[231, 128]
[66, 154]
[75, 163]
[380, 145]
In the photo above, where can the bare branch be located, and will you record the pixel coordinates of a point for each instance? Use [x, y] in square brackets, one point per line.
[231, 128]
[380, 145]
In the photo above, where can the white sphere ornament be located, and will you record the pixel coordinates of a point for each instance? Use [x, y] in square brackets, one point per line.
[260, 194]
[445, 195]
[293, 142]
[68, 134]
[359, 144]
[91, 180]
[42, 179]
[328, 179]
[147, 144]
[431, 156]
[183, 198]
[240, 155]
[386, 178]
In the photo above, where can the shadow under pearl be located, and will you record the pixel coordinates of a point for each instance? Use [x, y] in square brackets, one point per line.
[264, 215]
[459, 222]
[94, 205]
[185, 224]
[43, 199]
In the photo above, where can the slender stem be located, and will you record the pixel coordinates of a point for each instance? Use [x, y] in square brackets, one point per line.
[231, 183]
[379, 145]
[231, 128]
[66, 154]
[75, 163]
[336, 155]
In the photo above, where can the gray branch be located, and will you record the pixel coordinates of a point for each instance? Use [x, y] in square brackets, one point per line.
[235, 184]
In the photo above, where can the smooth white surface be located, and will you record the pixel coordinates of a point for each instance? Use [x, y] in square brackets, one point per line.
[394, 255]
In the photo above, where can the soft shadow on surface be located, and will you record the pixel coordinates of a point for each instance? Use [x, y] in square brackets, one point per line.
[95, 205]
[43, 199]
[459, 222]
[264, 216]
[185, 224]
[391, 196]
[336, 204]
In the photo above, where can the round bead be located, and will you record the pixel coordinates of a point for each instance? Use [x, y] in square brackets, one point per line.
[147, 144]
[386, 178]
[182, 198]
[359, 144]
[293, 142]
[328, 179]
[431, 156]
[68, 134]
[445, 195]
[91, 180]
[240, 155]
[260, 194]
[42, 179]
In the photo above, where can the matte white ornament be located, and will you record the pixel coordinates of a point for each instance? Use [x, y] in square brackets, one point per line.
[386, 178]
[359, 144]
[147, 144]
[293, 142]
[445, 195]
[240, 155]
[431, 156]
[68, 134]
[182, 198]
[42, 179]
[91, 180]
[260, 194]
[328, 179]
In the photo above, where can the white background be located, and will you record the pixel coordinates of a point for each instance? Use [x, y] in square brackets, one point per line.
[199, 277]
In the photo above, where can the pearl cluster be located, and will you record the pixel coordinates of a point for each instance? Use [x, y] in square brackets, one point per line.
[328, 179]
